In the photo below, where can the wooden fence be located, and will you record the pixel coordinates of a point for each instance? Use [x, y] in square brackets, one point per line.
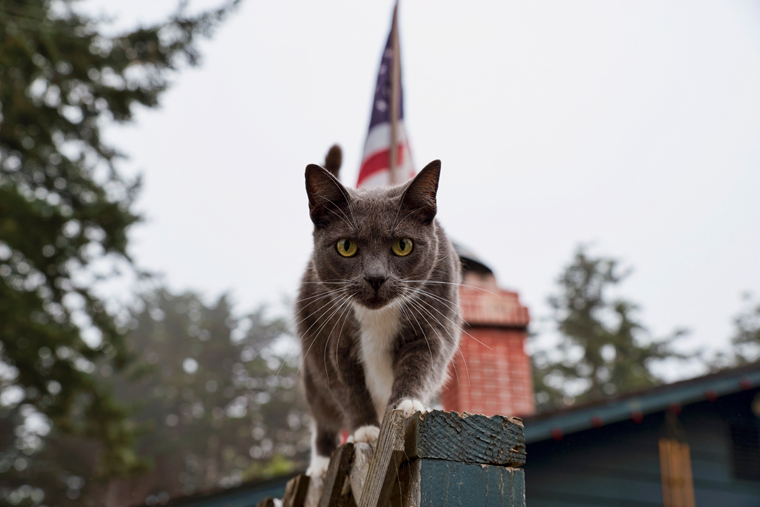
[431, 459]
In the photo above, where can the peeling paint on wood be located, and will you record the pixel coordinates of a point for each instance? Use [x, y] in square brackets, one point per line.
[430, 459]
[466, 438]
[436, 483]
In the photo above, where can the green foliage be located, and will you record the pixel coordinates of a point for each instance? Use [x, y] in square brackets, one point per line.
[214, 402]
[603, 349]
[64, 208]
[746, 339]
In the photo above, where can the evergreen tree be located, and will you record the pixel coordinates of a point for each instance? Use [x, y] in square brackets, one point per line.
[746, 339]
[63, 207]
[603, 348]
[215, 403]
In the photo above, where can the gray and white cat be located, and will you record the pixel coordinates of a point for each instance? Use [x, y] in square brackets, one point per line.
[378, 312]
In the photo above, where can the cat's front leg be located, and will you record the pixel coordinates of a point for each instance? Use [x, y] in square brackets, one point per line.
[412, 375]
[357, 401]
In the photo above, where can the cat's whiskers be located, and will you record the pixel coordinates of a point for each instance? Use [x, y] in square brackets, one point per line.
[322, 294]
[441, 258]
[346, 306]
[410, 314]
[330, 293]
[415, 302]
[340, 333]
[329, 282]
[467, 369]
[344, 219]
[348, 201]
[354, 227]
[393, 229]
[398, 210]
[456, 324]
[449, 304]
[332, 304]
[454, 365]
[343, 300]
[424, 335]
[457, 284]
[316, 297]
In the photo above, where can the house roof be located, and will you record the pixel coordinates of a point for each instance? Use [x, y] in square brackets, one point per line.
[470, 260]
[556, 423]
[245, 495]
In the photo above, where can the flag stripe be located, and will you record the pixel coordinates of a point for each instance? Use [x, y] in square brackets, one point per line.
[379, 138]
[379, 161]
[375, 167]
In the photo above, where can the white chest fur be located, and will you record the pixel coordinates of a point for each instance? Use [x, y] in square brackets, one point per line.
[377, 331]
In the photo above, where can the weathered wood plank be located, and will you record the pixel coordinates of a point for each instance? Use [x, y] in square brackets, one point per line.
[454, 451]
[436, 483]
[347, 498]
[383, 469]
[466, 438]
[314, 491]
[340, 465]
[295, 491]
[362, 457]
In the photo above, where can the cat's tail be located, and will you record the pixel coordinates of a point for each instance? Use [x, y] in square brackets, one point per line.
[333, 160]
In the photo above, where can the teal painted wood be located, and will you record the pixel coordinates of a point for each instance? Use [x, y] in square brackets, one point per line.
[654, 400]
[466, 438]
[236, 498]
[450, 484]
[617, 465]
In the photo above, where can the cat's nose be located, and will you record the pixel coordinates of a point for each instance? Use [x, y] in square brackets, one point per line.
[375, 281]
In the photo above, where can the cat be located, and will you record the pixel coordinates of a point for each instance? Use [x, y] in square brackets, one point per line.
[377, 312]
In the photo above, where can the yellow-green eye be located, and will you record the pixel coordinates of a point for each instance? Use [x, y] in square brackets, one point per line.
[402, 247]
[346, 247]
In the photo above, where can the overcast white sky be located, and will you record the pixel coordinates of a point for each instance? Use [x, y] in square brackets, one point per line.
[634, 126]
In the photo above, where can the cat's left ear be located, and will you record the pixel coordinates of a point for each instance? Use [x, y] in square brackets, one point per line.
[419, 196]
[327, 196]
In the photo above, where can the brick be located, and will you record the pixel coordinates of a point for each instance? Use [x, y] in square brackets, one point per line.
[500, 379]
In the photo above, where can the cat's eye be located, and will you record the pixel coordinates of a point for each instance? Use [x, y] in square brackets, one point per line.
[402, 247]
[346, 247]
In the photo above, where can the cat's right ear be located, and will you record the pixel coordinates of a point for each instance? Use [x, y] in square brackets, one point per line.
[327, 197]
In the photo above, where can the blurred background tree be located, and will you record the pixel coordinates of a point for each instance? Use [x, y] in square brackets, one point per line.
[215, 402]
[603, 348]
[61, 79]
[746, 338]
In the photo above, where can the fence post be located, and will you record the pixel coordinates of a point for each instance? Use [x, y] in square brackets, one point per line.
[432, 459]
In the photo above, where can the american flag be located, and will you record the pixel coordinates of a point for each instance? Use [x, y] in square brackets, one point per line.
[375, 170]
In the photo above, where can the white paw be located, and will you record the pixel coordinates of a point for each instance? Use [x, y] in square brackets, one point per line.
[410, 406]
[366, 434]
[318, 466]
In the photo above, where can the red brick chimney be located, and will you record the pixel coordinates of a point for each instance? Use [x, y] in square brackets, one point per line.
[491, 374]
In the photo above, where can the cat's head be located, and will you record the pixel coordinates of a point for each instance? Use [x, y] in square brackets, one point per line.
[375, 244]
